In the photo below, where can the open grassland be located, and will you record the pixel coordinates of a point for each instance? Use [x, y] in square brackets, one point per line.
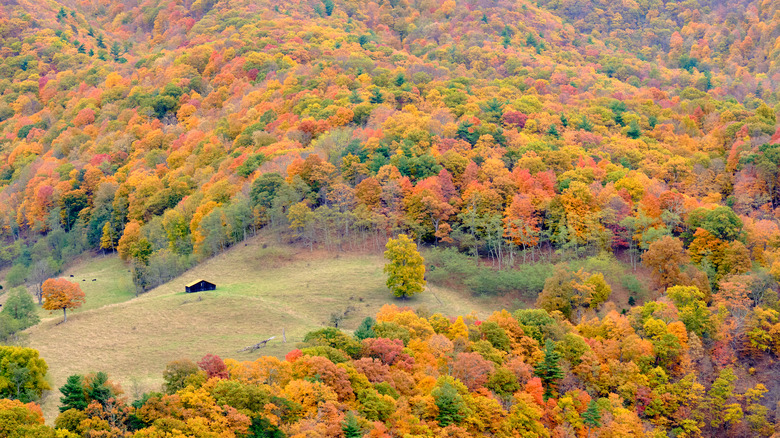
[104, 279]
[261, 292]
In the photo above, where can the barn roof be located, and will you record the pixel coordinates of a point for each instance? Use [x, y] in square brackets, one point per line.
[198, 281]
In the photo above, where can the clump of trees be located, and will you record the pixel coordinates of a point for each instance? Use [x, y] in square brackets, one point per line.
[19, 312]
[22, 375]
[570, 292]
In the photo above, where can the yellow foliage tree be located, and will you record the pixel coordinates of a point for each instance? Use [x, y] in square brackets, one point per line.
[406, 267]
[107, 238]
[129, 238]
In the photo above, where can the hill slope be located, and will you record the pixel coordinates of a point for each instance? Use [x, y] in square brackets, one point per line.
[262, 291]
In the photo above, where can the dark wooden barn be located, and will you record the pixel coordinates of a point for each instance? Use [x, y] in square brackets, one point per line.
[200, 286]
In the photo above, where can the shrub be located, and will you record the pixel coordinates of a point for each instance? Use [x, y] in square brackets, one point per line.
[332, 354]
[635, 287]
[335, 338]
[525, 279]
[448, 266]
[176, 374]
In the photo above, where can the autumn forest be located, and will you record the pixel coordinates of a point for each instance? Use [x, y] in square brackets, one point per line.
[607, 172]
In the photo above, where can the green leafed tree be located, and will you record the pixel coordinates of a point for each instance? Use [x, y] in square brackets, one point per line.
[116, 50]
[19, 312]
[366, 329]
[176, 374]
[262, 428]
[376, 96]
[634, 131]
[405, 268]
[721, 392]
[328, 7]
[692, 308]
[22, 374]
[99, 388]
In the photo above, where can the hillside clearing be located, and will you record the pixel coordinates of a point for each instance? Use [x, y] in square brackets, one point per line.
[262, 291]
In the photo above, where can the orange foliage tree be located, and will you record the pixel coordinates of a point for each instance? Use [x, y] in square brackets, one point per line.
[59, 294]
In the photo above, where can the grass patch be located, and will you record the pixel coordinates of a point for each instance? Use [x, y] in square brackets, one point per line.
[112, 283]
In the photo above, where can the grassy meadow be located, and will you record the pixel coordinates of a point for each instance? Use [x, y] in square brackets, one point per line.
[112, 283]
[262, 291]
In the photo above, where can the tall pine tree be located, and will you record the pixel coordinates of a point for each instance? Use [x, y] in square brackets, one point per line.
[351, 427]
[592, 416]
[99, 390]
[73, 394]
[452, 408]
[376, 96]
[549, 369]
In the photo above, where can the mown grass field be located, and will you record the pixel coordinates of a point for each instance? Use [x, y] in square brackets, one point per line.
[104, 279]
[261, 292]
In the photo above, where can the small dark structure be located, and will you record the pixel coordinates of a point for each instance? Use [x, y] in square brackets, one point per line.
[200, 286]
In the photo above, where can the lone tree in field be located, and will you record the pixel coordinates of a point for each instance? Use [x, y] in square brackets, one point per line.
[406, 267]
[62, 294]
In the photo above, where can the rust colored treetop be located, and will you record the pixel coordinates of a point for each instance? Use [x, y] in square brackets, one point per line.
[59, 294]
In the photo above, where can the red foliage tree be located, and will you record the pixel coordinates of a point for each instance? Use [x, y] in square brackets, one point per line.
[214, 366]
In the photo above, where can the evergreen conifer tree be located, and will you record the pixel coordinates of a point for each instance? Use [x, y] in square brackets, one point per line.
[376, 97]
[549, 369]
[99, 389]
[592, 416]
[73, 394]
[351, 427]
[585, 124]
[450, 403]
[329, 5]
[366, 329]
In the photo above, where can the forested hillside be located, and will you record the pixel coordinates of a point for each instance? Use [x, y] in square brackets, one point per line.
[511, 136]
[170, 131]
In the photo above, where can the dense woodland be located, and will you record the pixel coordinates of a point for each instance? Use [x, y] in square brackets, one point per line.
[515, 138]
[403, 374]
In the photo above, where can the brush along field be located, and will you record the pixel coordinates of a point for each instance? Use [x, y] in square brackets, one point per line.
[262, 291]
